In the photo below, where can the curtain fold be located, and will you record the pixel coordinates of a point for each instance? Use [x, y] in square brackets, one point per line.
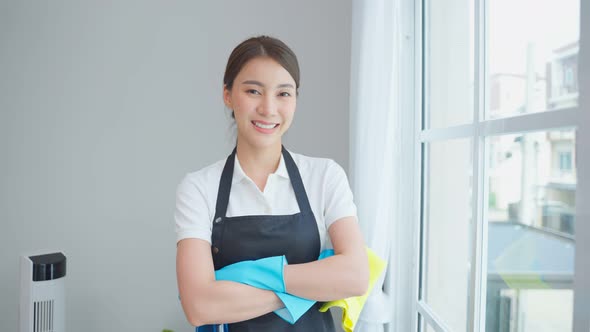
[375, 143]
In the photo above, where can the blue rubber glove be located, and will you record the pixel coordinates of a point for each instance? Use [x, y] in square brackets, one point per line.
[264, 273]
[326, 253]
[296, 306]
[267, 273]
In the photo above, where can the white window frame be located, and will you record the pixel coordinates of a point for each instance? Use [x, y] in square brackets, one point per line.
[582, 262]
[578, 117]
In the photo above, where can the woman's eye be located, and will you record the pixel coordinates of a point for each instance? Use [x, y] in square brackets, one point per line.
[285, 94]
[252, 91]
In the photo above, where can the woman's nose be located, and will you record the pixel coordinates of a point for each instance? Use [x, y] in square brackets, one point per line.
[267, 106]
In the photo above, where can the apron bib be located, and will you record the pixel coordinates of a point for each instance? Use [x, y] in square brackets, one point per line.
[296, 236]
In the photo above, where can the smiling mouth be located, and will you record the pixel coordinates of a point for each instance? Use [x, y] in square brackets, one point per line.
[265, 126]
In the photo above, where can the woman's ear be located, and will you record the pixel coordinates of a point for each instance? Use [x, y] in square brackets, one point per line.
[227, 97]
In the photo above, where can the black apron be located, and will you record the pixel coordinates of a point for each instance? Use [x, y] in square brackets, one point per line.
[296, 236]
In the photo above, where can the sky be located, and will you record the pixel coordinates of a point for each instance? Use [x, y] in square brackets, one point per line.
[548, 24]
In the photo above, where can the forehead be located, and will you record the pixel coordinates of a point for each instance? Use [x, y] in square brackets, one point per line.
[265, 70]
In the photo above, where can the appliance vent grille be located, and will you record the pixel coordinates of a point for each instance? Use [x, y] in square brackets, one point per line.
[43, 316]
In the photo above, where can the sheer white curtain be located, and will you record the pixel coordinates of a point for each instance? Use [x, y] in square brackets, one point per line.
[376, 138]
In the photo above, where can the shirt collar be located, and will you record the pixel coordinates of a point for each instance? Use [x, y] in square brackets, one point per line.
[239, 174]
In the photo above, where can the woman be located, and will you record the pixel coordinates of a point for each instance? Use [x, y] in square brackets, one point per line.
[264, 201]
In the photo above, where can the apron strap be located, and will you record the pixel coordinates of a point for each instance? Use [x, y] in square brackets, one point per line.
[225, 186]
[296, 182]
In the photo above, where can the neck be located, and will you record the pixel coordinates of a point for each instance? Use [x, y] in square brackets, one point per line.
[257, 162]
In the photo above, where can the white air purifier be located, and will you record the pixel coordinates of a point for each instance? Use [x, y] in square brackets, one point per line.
[42, 292]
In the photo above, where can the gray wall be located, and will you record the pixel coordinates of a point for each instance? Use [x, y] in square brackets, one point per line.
[104, 106]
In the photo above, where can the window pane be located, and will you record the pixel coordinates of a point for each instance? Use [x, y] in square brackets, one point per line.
[447, 223]
[531, 229]
[450, 63]
[533, 55]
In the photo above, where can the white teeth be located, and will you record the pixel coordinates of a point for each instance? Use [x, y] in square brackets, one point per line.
[260, 125]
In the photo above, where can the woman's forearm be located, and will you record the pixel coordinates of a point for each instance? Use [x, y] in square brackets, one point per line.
[332, 278]
[228, 302]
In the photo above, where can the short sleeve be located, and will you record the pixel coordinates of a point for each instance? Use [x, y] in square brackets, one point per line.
[339, 199]
[192, 212]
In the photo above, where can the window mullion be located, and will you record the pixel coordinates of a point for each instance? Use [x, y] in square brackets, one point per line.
[419, 125]
[557, 119]
[476, 283]
[418, 95]
[564, 118]
[581, 322]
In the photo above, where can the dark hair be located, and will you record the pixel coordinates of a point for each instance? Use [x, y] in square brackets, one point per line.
[261, 46]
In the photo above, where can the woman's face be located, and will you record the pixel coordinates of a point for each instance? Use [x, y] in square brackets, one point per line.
[263, 98]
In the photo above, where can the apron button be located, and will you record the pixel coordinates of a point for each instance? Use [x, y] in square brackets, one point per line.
[218, 220]
[215, 250]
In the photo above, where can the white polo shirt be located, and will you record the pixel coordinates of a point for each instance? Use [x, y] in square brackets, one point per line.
[324, 180]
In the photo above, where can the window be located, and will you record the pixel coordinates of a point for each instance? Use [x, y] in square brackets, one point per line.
[565, 161]
[497, 135]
